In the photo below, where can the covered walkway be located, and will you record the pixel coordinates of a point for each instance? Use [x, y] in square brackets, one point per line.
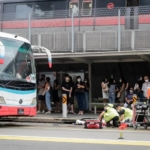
[97, 65]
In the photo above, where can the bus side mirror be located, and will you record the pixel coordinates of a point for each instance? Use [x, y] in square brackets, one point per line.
[2, 53]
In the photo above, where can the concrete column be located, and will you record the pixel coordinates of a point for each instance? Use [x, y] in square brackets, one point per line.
[90, 82]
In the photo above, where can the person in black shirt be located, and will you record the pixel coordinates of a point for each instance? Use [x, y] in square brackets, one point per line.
[79, 91]
[67, 87]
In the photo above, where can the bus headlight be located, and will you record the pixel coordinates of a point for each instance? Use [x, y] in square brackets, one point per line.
[33, 101]
[2, 101]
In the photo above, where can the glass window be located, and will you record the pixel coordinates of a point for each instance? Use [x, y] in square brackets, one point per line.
[86, 7]
[71, 4]
[23, 10]
[18, 60]
[44, 9]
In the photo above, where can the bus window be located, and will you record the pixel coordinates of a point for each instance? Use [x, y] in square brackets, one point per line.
[71, 4]
[23, 10]
[86, 7]
[44, 9]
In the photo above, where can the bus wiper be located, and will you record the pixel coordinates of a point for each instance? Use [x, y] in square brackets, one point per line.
[20, 87]
[19, 84]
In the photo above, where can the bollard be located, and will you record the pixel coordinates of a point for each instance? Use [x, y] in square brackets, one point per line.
[64, 105]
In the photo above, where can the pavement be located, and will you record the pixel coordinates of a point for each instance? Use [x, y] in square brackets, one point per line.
[52, 118]
[37, 136]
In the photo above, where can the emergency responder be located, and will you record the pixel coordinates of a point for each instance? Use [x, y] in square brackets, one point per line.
[109, 114]
[126, 114]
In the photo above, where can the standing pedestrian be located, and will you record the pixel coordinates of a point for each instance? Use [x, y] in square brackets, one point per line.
[41, 98]
[79, 89]
[111, 91]
[121, 92]
[104, 86]
[145, 87]
[67, 87]
[47, 95]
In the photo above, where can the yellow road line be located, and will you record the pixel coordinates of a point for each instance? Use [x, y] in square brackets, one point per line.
[75, 140]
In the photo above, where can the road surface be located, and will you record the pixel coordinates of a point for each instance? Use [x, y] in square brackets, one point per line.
[27, 136]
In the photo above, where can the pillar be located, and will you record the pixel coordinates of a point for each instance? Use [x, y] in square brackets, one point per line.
[90, 82]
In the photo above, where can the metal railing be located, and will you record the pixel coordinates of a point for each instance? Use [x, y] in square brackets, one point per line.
[92, 41]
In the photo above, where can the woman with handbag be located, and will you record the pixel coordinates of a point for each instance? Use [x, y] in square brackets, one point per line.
[105, 90]
[79, 92]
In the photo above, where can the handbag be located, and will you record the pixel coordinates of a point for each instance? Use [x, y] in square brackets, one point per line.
[105, 90]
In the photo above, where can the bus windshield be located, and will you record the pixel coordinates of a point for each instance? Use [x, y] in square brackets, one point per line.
[18, 60]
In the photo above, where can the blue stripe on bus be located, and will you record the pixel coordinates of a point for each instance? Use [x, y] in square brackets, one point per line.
[17, 91]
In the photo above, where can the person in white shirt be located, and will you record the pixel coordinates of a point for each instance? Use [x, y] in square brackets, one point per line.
[145, 86]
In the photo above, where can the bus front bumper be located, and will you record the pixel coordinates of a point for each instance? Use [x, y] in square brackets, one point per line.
[17, 111]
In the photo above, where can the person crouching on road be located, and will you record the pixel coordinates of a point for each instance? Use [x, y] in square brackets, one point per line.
[126, 114]
[109, 114]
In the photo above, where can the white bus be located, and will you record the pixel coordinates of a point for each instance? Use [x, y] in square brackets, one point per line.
[17, 77]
